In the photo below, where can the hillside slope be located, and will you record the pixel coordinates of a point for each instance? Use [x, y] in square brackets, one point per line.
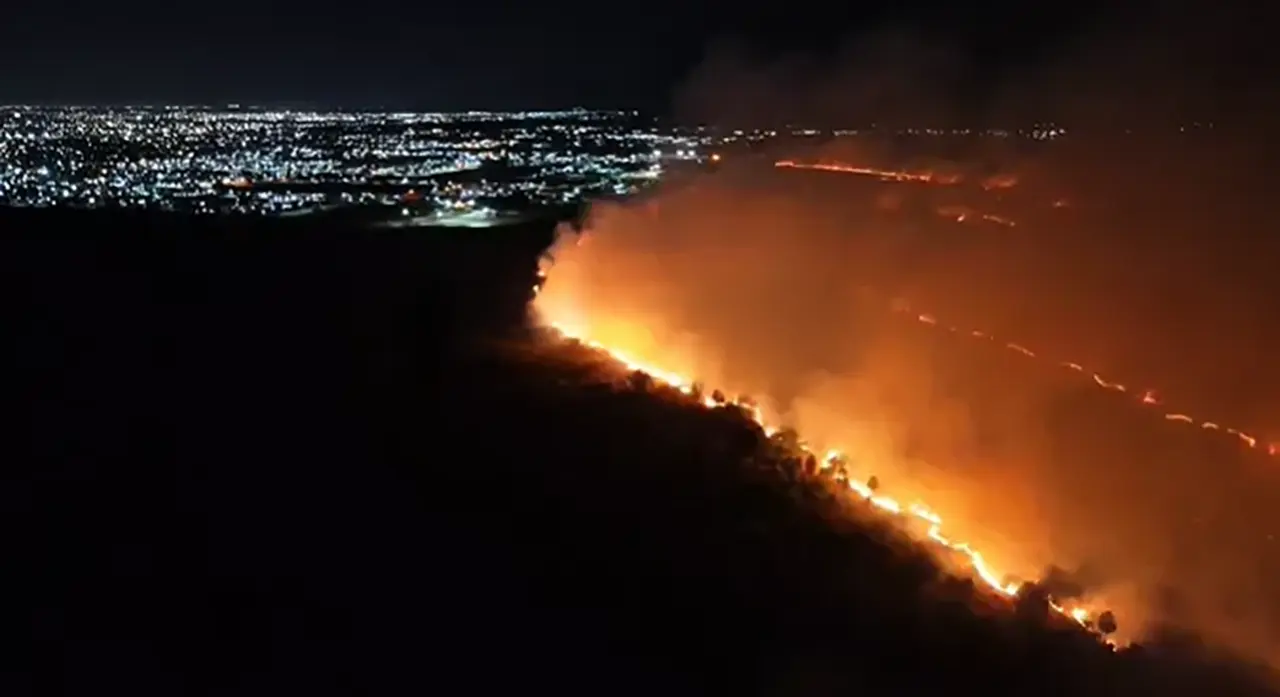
[296, 458]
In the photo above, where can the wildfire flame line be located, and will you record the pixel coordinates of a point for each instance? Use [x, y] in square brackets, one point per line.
[957, 213]
[904, 512]
[999, 181]
[1146, 397]
[882, 174]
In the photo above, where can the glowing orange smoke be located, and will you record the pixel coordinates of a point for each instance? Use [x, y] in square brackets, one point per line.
[963, 214]
[911, 515]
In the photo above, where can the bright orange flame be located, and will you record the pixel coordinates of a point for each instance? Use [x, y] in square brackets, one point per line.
[906, 513]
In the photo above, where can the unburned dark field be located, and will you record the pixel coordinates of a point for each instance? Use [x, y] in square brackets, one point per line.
[301, 458]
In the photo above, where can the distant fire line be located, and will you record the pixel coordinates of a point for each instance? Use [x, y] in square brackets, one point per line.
[882, 174]
[1146, 397]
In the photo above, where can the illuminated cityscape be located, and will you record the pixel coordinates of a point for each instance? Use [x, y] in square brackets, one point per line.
[408, 168]
[407, 165]
[285, 162]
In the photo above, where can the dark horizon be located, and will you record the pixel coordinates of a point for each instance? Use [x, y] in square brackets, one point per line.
[385, 55]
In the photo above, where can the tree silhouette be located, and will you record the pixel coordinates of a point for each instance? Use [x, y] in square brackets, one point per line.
[810, 465]
[786, 440]
[1107, 623]
[639, 381]
[1032, 603]
[791, 467]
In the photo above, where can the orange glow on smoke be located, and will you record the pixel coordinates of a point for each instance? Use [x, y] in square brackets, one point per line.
[630, 345]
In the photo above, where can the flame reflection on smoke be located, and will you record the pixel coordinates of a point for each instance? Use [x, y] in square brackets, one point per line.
[635, 344]
[756, 294]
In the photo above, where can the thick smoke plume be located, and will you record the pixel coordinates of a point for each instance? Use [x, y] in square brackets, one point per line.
[1140, 249]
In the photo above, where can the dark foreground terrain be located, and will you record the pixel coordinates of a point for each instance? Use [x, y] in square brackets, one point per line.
[301, 459]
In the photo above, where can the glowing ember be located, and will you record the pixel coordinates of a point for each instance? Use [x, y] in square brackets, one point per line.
[998, 220]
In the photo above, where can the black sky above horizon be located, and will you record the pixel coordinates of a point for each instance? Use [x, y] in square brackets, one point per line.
[482, 55]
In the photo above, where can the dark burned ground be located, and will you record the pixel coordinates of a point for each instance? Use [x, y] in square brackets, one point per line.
[297, 459]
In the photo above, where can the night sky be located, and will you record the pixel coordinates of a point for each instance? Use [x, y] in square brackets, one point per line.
[467, 55]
